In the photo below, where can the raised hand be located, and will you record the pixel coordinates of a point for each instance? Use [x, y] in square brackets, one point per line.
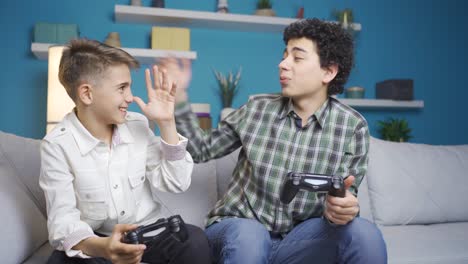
[161, 97]
[342, 210]
[180, 71]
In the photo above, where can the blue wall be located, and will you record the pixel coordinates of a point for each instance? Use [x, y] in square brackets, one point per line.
[422, 40]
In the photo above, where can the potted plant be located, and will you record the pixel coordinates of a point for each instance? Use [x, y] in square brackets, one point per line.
[344, 17]
[228, 87]
[264, 8]
[394, 129]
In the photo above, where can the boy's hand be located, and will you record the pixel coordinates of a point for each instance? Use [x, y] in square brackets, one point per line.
[112, 248]
[180, 71]
[161, 103]
[342, 210]
[161, 98]
[119, 252]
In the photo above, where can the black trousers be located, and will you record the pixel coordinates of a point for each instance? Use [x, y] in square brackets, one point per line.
[194, 250]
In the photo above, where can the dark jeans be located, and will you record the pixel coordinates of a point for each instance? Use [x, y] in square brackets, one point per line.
[166, 250]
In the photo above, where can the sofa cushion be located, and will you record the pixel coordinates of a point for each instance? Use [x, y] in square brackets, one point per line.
[194, 204]
[24, 156]
[428, 244]
[25, 227]
[417, 183]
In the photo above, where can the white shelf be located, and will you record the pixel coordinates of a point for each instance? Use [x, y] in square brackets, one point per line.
[381, 103]
[144, 56]
[201, 19]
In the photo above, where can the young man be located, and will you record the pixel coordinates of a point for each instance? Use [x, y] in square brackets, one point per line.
[301, 130]
[102, 165]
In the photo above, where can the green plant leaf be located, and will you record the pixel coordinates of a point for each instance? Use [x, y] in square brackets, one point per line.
[394, 130]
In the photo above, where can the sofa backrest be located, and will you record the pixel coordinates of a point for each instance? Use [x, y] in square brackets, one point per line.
[417, 183]
[24, 226]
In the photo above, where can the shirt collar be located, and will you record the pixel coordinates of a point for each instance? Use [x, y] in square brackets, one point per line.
[320, 115]
[86, 142]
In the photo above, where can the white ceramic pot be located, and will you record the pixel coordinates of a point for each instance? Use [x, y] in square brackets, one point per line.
[265, 12]
[226, 111]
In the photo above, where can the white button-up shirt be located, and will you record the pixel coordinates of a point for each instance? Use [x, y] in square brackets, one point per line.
[91, 186]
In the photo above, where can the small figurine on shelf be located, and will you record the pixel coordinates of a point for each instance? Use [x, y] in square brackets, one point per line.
[113, 39]
[136, 3]
[300, 13]
[158, 3]
[223, 6]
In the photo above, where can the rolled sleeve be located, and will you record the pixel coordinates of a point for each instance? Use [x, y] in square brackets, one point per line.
[174, 152]
[72, 240]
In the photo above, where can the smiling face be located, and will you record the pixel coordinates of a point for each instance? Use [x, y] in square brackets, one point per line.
[111, 95]
[301, 75]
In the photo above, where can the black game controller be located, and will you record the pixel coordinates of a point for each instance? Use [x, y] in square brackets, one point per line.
[295, 181]
[173, 225]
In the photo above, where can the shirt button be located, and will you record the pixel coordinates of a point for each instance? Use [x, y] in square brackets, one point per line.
[88, 196]
[122, 213]
[142, 178]
[62, 129]
[116, 186]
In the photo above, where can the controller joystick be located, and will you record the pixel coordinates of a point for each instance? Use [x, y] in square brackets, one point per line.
[295, 181]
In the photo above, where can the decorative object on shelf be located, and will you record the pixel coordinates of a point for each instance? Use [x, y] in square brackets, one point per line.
[394, 129]
[136, 3]
[344, 17]
[158, 3]
[203, 113]
[113, 39]
[395, 89]
[54, 33]
[300, 13]
[170, 38]
[228, 88]
[264, 8]
[223, 6]
[355, 92]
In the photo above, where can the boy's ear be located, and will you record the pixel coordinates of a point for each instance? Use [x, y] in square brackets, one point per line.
[85, 93]
[330, 73]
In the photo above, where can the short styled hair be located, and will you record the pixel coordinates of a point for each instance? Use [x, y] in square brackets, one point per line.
[333, 43]
[84, 60]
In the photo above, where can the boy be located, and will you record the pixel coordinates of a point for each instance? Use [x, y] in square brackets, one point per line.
[101, 165]
[302, 130]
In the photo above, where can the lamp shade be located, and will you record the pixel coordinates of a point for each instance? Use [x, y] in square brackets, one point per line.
[58, 101]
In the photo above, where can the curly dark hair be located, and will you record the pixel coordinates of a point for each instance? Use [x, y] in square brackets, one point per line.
[334, 47]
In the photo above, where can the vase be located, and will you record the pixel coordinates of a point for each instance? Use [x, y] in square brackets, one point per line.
[158, 3]
[226, 111]
[265, 12]
[355, 92]
[136, 3]
[113, 39]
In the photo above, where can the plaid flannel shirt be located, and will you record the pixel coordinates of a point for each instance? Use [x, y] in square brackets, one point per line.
[334, 141]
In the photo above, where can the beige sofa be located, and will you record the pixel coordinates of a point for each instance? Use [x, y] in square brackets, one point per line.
[417, 194]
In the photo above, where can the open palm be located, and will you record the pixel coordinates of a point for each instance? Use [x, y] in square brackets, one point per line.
[161, 97]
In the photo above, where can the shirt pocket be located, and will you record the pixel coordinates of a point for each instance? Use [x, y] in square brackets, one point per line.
[137, 176]
[92, 203]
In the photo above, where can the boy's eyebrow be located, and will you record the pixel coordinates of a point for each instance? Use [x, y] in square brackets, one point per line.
[295, 49]
[123, 83]
[299, 49]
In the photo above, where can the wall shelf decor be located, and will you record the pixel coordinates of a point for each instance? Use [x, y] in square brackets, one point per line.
[382, 103]
[203, 19]
[144, 56]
